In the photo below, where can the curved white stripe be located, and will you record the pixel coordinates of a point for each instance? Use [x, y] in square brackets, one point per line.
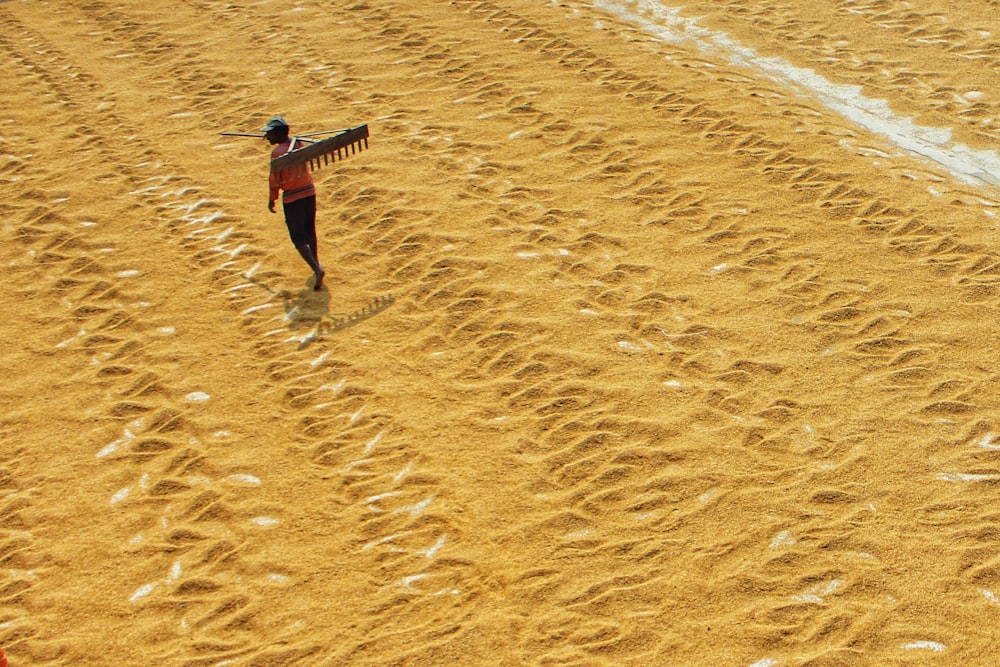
[969, 165]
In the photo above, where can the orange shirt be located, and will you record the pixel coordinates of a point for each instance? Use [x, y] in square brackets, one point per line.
[297, 184]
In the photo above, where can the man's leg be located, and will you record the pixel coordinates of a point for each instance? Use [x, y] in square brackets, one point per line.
[309, 255]
[300, 216]
[313, 245]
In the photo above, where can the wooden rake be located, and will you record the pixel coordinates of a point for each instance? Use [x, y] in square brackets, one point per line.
[315, 153]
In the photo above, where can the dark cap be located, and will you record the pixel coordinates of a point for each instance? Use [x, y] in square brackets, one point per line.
[275, 123]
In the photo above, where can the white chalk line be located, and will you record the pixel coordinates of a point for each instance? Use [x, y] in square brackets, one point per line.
[966, 164]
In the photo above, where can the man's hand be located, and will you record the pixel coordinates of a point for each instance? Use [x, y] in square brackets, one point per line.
[270, 205]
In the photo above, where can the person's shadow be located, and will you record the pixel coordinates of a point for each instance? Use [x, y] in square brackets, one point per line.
[307, 312]
[306, 309]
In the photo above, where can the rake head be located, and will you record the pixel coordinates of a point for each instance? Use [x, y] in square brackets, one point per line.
[321, 153]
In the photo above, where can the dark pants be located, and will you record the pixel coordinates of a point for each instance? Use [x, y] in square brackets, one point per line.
[300, 218]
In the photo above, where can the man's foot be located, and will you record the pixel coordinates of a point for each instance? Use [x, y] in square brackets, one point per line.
[319, 280]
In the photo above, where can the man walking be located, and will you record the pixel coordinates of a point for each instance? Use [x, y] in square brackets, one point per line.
[298, 199]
